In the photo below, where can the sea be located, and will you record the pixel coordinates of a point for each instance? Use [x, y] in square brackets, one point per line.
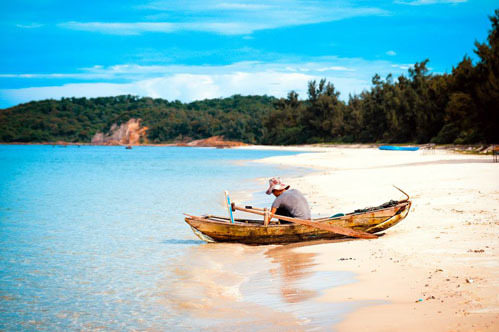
[92, 238]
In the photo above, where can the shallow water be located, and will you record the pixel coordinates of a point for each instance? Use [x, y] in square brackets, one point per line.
[92, 238]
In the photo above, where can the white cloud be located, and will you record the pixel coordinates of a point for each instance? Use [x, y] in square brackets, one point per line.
[391, 53]
[241, 6]
[228, 18]
[402, 66]
[81, 76]
[120, 28]
[323, 66]
[188, 83]
[429, 2]
[335, 68]
[29, 26]
[137, 28]
[184, 87]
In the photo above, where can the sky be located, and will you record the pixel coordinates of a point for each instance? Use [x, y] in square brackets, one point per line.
[192, 50]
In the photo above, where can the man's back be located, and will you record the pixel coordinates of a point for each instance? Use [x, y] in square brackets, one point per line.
[293, 201]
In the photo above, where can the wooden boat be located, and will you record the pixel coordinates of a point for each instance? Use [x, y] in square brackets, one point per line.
[248, 231]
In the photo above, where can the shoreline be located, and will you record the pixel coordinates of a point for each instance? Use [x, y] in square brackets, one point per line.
[478, 149]
[437, 269]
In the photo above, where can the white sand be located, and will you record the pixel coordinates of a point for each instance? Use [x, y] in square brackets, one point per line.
[444, 253]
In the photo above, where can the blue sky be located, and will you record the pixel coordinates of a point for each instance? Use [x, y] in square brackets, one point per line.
[191, 50]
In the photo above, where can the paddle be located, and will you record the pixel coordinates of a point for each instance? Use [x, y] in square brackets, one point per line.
[227, 201]
[326, 227]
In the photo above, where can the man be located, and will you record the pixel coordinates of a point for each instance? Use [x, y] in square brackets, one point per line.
[290, 203]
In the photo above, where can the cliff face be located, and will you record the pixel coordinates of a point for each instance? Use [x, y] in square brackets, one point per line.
[129, 133]
[215, 141]
[132, 133]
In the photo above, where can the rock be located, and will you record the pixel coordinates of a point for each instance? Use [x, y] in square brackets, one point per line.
[129, 133]
[215, 141]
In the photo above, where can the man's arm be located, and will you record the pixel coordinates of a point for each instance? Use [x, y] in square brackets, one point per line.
[275, 205]
[272, 211]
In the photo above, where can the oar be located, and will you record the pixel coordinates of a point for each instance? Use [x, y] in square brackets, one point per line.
[227, 201]
[326, 227]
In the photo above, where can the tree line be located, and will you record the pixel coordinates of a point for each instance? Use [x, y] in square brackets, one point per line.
[78, 119]
[461, 107]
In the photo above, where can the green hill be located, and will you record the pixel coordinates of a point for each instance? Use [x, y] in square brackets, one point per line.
[78, 119]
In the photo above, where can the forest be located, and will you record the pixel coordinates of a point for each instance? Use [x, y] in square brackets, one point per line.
[460, 107]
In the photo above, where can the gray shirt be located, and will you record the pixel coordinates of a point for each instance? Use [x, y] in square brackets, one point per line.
[294, 202]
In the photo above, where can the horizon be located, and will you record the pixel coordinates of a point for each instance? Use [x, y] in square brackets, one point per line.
[188, 51]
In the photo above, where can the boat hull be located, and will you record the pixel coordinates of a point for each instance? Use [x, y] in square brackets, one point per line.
[219, 229]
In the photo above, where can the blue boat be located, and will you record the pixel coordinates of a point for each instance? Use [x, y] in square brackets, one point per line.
[398, 148]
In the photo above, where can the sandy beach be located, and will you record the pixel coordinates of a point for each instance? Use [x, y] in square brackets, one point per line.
[437, 270]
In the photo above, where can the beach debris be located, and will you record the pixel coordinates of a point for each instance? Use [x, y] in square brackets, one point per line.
[476, 251]
[430, 298]
[346, 259]
[469, 280]
[419, 300]
[439, 270]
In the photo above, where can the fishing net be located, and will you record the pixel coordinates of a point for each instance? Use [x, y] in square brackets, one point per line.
[379, 207]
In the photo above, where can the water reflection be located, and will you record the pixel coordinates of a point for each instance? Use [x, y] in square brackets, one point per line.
[292, 267]
[207, 290]
[224, 286]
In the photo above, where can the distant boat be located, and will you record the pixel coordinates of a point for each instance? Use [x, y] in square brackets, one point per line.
[399, 148]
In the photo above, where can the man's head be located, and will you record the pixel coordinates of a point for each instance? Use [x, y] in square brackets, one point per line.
[277, 193]
[276, 186]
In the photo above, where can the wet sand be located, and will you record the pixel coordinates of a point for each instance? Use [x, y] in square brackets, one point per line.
[223, 287]
[437, 270]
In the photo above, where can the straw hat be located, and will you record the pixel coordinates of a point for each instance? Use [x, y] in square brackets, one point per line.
[276, 184]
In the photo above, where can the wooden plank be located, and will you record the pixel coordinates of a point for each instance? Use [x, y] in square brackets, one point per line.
[326, 227]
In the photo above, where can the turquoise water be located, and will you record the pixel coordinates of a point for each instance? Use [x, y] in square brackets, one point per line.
[93, 238]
